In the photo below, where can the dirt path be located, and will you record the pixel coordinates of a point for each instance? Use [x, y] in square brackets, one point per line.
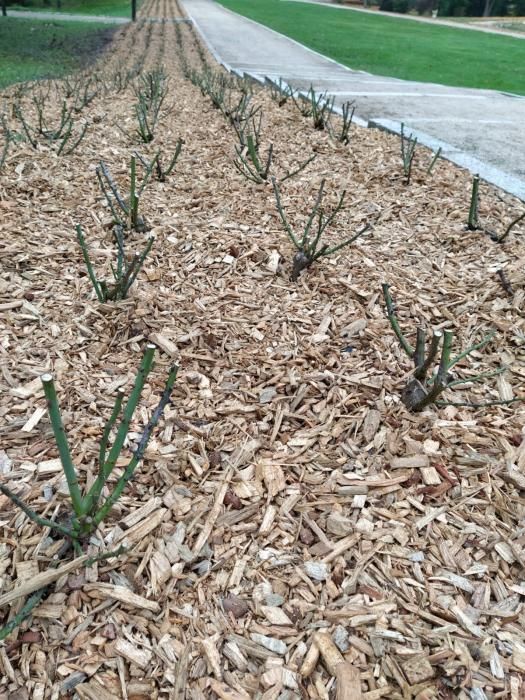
[293, 531]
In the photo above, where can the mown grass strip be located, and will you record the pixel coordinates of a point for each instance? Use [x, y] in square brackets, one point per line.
[396, 47]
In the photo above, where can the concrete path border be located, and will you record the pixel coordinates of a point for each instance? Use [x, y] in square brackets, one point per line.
[66, 17]
[506, 180]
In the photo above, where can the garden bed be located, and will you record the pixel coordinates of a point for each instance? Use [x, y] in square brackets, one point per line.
[288, 501]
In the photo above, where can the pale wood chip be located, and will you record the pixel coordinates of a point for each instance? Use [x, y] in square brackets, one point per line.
[123, 594]
[139, 657]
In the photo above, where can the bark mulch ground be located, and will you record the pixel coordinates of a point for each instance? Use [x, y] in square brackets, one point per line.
[293, 531]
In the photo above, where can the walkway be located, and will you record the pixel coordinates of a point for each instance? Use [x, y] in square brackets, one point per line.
[482, 130]
[64, 17]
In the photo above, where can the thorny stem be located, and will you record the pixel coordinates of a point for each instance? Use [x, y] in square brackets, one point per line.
[5, 149]
[100, 171]
[106, 555]
[300, 167]
[173, 161]
[76, 143]
[25, 126]
[502, 277]
[62, 444]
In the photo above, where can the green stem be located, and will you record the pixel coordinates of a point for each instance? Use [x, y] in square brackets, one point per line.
[479, 346]
[421, 370]
[107, 430]
[38, 519]
[252, 151]
[280, 209]
[433, 161]
[24, 612]
[112, 186]
[62, 444]
[138, 265]
[100, 171]
[472, 223]
[89, 266]
[106, 555]
[133, 199]
[394, 322]
[419, 353]
[96, 489]
[468, 404]
[173, 161]
[440, 382]
[477, 377]
[335, 248]
[510, 227]
[77, 143]
[313, 215]
[297, 170]
[141, 448]
[244, 168]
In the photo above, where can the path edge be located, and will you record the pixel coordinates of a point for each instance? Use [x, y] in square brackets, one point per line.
[486, 172]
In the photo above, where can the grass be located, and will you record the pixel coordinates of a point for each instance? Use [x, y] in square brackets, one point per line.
[35, 49]
[111, 8]
[396, 47]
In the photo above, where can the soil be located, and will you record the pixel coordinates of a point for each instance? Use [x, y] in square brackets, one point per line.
[293, 531]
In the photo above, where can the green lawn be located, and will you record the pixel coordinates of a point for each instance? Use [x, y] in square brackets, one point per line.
[396, 47]
[112, 8]
[32, 49]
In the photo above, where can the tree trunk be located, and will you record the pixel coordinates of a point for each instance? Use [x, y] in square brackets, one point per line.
[487, 10]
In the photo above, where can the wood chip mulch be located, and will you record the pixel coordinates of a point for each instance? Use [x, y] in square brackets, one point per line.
[293, 531]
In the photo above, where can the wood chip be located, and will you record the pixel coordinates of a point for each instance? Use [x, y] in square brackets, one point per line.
[122, 594]
[139, 657]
